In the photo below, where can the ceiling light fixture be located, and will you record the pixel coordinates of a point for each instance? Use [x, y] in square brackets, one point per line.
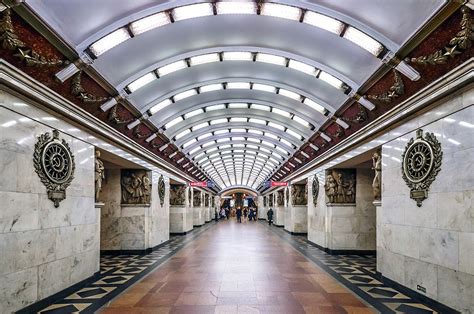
[160, 106]
[324, 22]
[148, 23]
[140, 82]
[281, 11]
[363, 40]
[238, 7]
[109, 41]
[192, 11]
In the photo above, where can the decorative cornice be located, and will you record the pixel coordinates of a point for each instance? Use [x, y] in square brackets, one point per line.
[14, 80]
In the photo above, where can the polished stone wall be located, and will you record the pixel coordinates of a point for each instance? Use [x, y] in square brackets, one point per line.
[317, 214]
[159, 215]
[261, 212]
[278, 212]
[296, 216]
[44, 249]
[352, 226]
[181, 217]
[198, 208]
[432, 246]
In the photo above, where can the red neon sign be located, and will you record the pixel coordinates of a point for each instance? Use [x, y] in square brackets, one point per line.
[276, 183]
[201, 184]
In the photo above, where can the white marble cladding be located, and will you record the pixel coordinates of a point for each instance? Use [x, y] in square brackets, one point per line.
[278, 212]
[296, 216]
[132, 227]
[343, 226]
[44, 249]
[181, 217]
[198, 210]
[432, 246]
[261, 210]
[317, 214]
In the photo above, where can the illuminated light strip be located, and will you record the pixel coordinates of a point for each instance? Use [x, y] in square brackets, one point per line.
[260, 57]
[236, 85]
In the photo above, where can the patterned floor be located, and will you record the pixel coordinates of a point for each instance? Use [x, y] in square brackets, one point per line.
[357, 273]
[117, 273]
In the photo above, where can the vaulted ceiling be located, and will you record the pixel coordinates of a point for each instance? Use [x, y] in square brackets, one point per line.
[238, 87]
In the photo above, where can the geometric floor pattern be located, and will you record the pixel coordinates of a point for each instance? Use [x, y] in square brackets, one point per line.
[358, 273]
[117, 273]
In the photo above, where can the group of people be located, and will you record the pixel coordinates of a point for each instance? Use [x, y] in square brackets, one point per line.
[248, 213]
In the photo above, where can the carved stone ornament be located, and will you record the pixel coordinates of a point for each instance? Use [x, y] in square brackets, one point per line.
[264, 201]
[340, 185]
[196, 198]
[287, 192]
[54, 164]
[136, 187]
[161, 190]
[280, 197]
[270, 200]
[299, 194]
[315, 188]
[206, 200]
[177, 194]
[421, 162]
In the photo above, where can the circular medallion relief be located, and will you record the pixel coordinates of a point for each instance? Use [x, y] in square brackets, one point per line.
[418, 161]
[56, 161]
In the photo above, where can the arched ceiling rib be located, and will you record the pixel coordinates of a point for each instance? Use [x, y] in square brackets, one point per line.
[342, 52]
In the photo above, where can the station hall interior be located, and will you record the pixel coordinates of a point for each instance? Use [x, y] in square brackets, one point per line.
[219, 156]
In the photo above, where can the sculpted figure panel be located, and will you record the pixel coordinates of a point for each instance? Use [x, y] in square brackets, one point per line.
[136, 187]
[377, 183]
[99, 174]
[177, 194]
[299, 194]
[280, 199]
[340, 185]
[196, 198]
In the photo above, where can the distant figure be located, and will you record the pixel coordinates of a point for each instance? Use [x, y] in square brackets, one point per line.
[227, 213]
[216, 215]
[239, 215]
[250, 214]
[245, 213]
[270, 216]
[222, 213]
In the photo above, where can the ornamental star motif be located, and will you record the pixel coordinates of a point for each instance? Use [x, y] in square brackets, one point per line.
[451, 52]
[23, 54]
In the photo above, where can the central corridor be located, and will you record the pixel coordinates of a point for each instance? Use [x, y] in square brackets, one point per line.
[238, 268]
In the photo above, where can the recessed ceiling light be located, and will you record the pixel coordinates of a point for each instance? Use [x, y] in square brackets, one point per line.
[314, 105]
[160, 106]
[237, 7]
[281, 112]
[193, 113]
[172, 67]
[238, 85]
[210, 88]
[180, 135]
[215, 107]
[109, 41]
[289, 94]
[331, 80]
[324, 22]
[140, 82]
[260, 107]
[302, 67]
[238, 105]
[237, 56]
[268, 58]
[206, 58]
[185, 94]
[281, 11]
[301, 121]
[363, 40]
[148, 23]
[264, 87]
[192, 11]
[173, 122]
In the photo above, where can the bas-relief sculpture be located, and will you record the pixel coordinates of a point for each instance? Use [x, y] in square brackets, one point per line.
[206, 200]
[299, 194]
[270, 200]
[340, 185]
[264, 201]
[196, 198]
[377, 183]
[161, 190]
[421, 162]
[54, 164]
[287, 194]
[280, 198]
[136, 187]
[99, 175]
[315, 188]
[177, 194]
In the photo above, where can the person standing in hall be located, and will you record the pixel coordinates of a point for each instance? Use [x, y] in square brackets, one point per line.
[239, 215]
[270, 216]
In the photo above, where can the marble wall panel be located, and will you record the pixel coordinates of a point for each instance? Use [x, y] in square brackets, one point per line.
[35, 237]
[432, 244]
